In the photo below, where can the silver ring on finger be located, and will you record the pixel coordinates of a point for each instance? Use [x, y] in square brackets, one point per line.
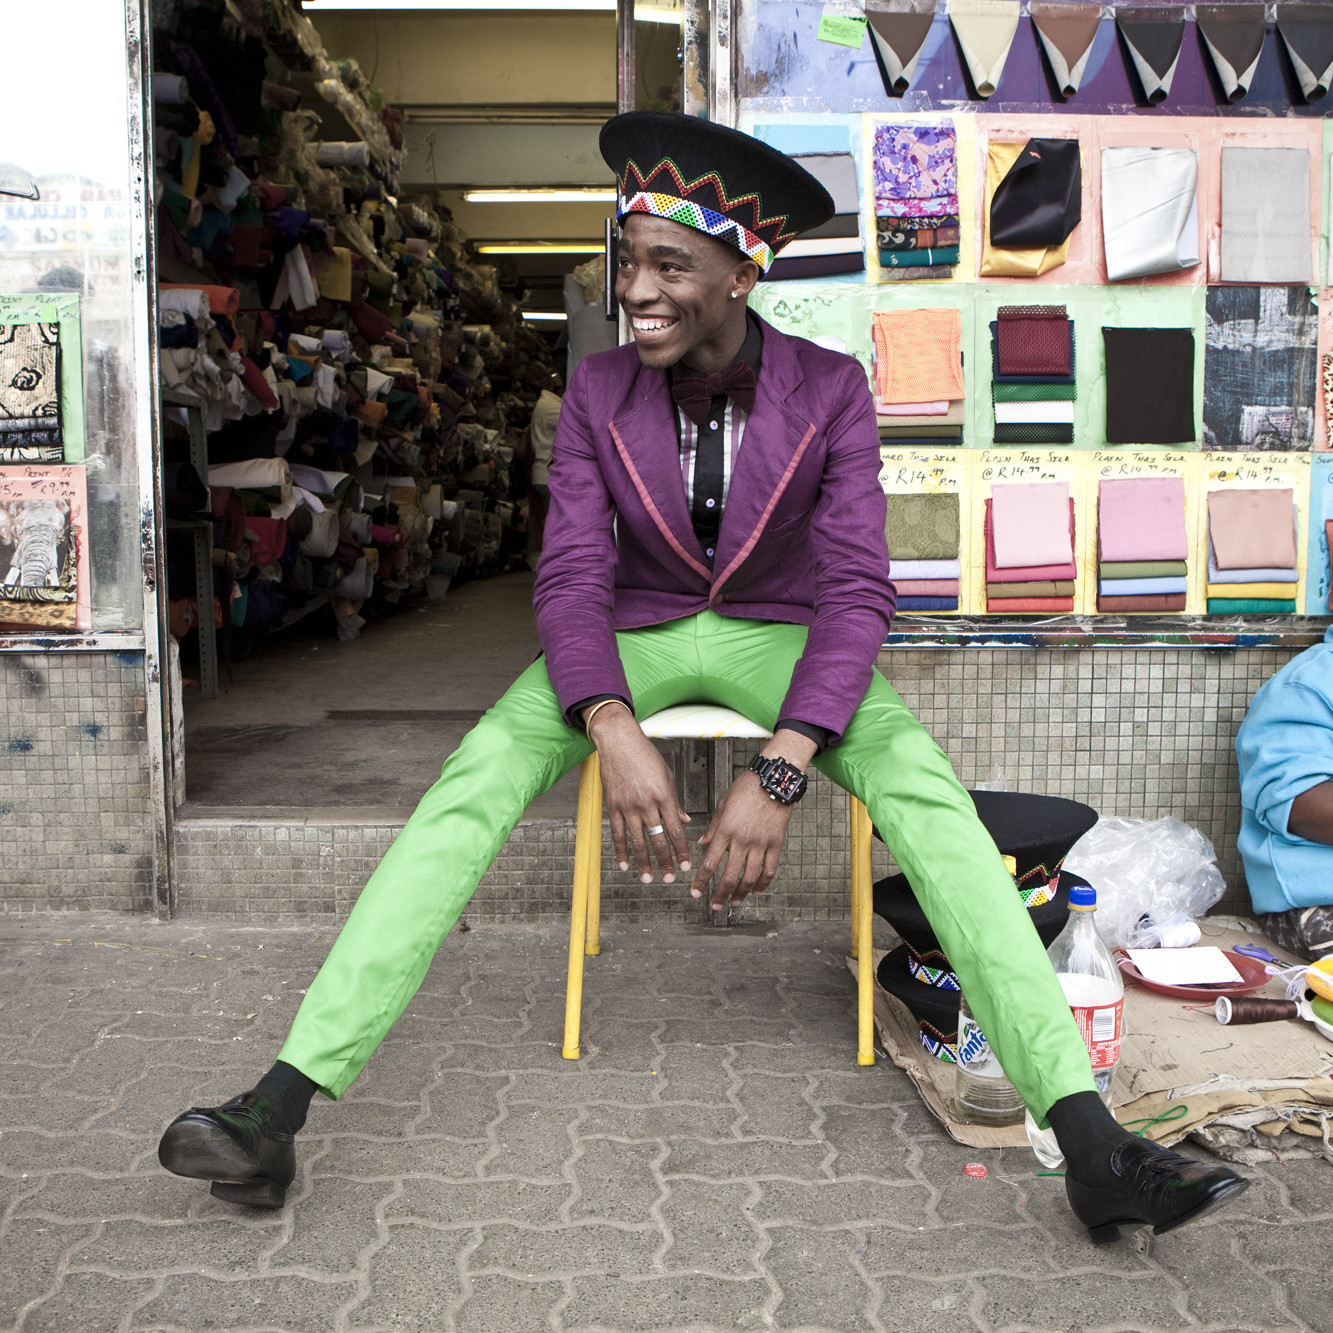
[655, 830]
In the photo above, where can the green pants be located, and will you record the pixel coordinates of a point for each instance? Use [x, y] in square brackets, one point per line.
[522, 747]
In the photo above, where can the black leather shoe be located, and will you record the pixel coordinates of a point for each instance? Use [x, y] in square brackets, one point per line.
[235, 1146]
[1154, 1187]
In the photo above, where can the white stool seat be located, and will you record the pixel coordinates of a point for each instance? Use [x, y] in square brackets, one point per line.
[701, 722]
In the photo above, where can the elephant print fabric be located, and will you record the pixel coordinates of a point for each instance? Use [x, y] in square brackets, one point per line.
[43, 555]
[30, 394]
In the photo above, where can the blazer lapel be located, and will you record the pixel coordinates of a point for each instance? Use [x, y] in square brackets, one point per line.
[775, 441]
[644, 436]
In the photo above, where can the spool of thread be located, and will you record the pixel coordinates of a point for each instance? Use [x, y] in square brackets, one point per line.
[170, 88]
[1244, 1010]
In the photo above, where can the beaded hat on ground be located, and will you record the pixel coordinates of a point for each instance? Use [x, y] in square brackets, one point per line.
[712, 178]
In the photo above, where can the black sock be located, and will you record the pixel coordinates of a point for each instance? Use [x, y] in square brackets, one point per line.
[1087, 1134]
[288, 1092]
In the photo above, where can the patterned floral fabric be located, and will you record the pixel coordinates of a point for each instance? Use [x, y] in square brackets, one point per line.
[916, 171]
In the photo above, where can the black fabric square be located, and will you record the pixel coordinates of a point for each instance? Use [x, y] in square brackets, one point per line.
[1149, 386]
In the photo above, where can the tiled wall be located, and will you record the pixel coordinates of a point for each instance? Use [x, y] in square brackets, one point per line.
[1131, 731]
[76, 822]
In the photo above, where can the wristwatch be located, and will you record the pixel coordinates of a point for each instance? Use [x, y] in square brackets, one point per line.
[782, 781]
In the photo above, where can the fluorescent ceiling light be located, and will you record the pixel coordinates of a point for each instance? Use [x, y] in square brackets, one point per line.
[539, 196]
[545, 314]
[541, 248]
[643, 13]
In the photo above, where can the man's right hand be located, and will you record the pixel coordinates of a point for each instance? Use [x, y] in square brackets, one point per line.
[639, 794]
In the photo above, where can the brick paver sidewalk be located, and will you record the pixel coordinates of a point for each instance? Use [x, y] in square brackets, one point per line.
[715, 1161]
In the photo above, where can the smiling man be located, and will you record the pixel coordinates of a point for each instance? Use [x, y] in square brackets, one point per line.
[716, 533]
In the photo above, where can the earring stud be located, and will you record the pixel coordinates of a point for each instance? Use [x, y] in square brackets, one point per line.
[734, 295]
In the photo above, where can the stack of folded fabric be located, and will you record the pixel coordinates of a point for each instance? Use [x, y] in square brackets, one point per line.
[919, 376]
[916, 201]
[1035, 834]
[1141, 544]
[1032, 361]
[923, 531]
[1252, 551]
[836, 246]
[1030, 548]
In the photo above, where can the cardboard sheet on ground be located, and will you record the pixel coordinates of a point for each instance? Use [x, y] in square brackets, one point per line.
[1278, 1074]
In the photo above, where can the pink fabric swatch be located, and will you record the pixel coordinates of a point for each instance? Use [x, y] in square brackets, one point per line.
[1029, 573]
[926, 587]
[936, 409]
[1028, 524]
[1142, 518]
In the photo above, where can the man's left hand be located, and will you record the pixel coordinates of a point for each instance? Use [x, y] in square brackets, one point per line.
[748, 829]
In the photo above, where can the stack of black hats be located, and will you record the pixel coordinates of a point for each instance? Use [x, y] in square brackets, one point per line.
[1035, 833]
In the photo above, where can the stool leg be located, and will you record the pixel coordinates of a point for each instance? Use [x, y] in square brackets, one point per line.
[594, 867]
[862, 930]
[587, 864]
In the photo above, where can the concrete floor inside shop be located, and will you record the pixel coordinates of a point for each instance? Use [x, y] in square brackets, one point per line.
[308, 723]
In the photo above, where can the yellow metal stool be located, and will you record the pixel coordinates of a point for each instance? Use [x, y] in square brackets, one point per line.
[700, 722]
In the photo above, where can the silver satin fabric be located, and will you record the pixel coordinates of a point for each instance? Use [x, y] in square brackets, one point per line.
[1266, 215]
[1149, 211]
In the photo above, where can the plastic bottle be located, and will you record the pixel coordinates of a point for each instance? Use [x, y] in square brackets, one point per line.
[1093, 986]
[982, 1094]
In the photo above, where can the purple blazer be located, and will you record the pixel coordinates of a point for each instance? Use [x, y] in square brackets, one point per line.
[801, 541]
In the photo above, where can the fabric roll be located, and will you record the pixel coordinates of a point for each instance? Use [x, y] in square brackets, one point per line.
[1067, 31]
[1142, 518]
[918, 354]
[1039, 588]
[1142, 604]
[1013, 262]
[1248, 606]
[1032, 433]
[190, 301]
[1149, 386]
[926, 569]
[1048, 413]
[1234, 36]
[1260, 242]
[1028, 524]
[322, 539]
[221, 300]
[985, 31]
[1252, 528]
[918, 258]
[254, 474]
[1141, 587]
[1142, 569]
[1033, 340]
[353, 154]
[1040, 199]
[922, 526]
[1307, 34]
[172, 89]
[333, 272]
[897, 35]
[1279, 591]
[926, 587]
[1035, 573]
[1002, 392]
[928, 604]
[1152, 36]
[1047, 604]
[1150, 211]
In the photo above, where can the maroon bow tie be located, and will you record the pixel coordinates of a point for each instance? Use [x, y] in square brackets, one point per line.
[694, 394]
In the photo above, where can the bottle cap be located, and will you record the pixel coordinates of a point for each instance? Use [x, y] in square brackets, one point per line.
[1082, 895]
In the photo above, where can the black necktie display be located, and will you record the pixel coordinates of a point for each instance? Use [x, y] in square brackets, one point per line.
[1040, 200]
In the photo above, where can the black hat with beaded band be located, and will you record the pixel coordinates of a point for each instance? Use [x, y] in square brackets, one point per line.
[1036, 832]
[934, 1010]
[714, 179]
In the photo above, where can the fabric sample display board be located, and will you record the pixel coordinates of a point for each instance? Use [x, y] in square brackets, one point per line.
[1152, 37]
[1149, 386]
[1266, 215]
[897, 35]
[1260, 360]
[1307, 34]
[918, 354]
[1234, 36]
[985, 31]
[922, 526]
[1150, 211]
[1015, 262]
[30, 393]
[1067, 31]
